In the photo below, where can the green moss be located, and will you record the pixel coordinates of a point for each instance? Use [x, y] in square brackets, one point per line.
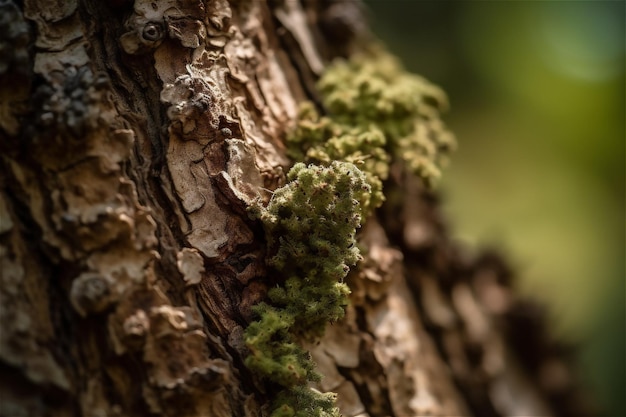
[376, 114]
[273, 352]
[311, 224]
[305, 402]
[321, 140]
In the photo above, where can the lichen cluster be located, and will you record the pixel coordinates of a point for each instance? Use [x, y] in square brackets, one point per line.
[14, 39]
[70, 105]
[376, 114]
[311, 223]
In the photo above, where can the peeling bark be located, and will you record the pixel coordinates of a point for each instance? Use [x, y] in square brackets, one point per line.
[134, 136]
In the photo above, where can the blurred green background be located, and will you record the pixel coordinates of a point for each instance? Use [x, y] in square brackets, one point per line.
[537, 92]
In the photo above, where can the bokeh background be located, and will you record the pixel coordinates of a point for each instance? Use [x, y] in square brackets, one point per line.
[537, 92]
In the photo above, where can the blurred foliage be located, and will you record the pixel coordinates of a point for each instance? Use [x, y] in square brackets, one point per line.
[537, 91]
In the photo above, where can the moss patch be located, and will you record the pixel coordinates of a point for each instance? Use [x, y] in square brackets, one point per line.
[311, 225]
[376, 114]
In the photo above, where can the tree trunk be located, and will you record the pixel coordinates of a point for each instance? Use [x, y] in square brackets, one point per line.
[134, 139]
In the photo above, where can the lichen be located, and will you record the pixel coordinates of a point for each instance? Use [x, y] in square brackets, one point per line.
[311, 224]
[14, 39]
[68, 106]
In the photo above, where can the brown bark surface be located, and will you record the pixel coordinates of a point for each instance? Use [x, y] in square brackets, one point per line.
[134, 135]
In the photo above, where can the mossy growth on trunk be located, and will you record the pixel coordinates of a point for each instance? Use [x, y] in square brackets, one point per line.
[311, 224]
[376, 114]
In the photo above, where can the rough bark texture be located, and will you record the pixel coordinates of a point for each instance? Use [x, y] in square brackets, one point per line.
[134, 136]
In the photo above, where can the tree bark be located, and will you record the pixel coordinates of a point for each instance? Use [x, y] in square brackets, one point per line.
[134, 138]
